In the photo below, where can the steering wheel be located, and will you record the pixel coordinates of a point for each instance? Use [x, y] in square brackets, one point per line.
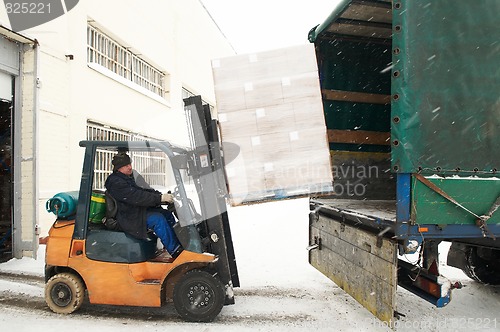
[176, 206]
[176, 193]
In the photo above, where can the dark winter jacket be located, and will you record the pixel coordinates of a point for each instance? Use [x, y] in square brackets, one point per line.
[132, 202]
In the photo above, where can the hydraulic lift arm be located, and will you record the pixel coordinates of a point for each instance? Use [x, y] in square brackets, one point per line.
[211, 184]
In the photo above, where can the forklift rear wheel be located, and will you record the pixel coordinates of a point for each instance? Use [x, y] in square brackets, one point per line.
[199, 296]
[64, 293]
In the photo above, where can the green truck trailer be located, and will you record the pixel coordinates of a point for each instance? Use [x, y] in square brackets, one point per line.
[411, 95]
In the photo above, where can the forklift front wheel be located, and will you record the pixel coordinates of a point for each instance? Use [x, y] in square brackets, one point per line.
[199, 296]
[64, 293]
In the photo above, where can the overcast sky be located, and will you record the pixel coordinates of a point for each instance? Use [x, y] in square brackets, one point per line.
[260, 25]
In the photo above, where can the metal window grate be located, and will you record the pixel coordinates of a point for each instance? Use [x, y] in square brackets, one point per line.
[154, 167]
[103, 50]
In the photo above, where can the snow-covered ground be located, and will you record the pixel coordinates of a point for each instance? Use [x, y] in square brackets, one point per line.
[279, 291]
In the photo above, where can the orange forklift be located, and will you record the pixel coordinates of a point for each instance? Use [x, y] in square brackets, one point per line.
[84, 258]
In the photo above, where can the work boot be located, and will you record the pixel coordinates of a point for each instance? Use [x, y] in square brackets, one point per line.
[162, 256]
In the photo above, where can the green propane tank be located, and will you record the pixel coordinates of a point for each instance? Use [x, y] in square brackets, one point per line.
[63, 204]
[97, 207]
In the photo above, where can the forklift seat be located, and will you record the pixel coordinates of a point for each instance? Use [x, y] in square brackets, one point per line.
[109, 220]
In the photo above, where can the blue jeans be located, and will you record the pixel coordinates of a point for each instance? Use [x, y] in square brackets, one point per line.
[161, 222]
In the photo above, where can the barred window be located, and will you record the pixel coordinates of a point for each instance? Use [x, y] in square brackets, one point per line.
[153, 166]
[186, 93]
[104, 51]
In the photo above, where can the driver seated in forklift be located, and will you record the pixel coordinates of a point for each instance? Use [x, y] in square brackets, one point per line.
[138, 206]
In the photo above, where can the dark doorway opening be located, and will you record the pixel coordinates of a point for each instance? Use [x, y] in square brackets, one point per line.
[5, 180]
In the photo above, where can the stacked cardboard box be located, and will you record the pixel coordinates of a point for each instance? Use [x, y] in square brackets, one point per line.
[269, 104]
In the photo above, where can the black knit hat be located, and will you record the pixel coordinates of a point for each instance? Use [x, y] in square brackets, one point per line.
[119, 160]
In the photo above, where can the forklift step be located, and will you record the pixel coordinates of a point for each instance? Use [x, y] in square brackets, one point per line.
[150, 282]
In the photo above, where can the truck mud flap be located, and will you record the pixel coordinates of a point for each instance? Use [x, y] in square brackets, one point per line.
[362, 264]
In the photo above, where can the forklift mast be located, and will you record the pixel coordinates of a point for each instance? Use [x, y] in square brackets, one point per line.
[210, 182]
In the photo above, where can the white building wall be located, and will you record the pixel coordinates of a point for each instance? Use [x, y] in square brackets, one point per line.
[4, 19]
[177, 36]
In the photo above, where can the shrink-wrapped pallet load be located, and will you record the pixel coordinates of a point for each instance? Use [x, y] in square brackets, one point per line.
[269, 104]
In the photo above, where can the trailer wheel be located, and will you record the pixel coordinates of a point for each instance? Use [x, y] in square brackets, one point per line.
[198, 296]
[483, 265]
[64, 293]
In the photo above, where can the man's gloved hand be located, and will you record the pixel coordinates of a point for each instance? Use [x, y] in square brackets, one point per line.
[167, 198]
